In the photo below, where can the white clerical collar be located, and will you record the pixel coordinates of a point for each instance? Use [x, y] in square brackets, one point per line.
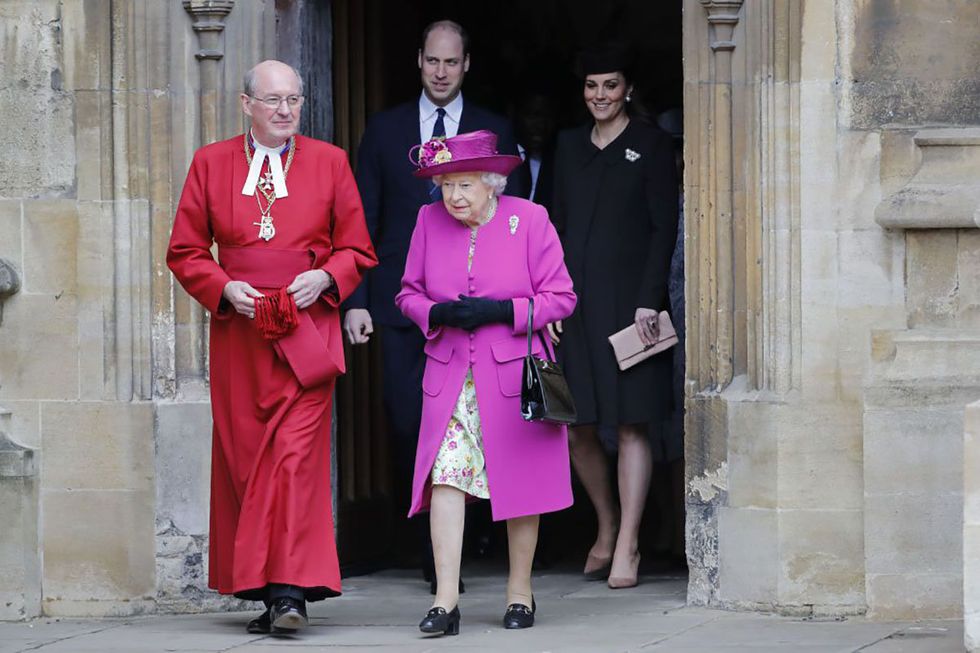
[454, 110]
[275, 167]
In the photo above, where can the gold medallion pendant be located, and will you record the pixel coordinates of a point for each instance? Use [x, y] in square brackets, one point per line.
[267, 229]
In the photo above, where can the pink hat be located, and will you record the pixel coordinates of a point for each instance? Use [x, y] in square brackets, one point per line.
[472, 152]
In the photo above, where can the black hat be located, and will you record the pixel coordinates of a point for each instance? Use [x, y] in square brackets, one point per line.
[605, 58]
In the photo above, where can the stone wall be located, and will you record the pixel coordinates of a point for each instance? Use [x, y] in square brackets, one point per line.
[102, 374]
[825, 394]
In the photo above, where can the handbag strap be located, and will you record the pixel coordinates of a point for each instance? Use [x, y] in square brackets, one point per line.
[530, 332]
[530, 322]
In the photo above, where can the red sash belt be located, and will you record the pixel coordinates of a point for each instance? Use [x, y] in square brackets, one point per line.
[304, 349]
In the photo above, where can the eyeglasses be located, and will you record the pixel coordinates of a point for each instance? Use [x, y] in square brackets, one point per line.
[274, 101]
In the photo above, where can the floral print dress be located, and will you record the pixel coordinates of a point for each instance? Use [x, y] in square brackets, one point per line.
[460, 462]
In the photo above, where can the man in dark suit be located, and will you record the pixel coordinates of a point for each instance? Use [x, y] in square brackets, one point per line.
[392, 197]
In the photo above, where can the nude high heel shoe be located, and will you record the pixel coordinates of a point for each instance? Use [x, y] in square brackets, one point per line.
[624, 582]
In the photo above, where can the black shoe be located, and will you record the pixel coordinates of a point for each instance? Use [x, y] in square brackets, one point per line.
[433, 586]
[437, 620]
[519, 615]
[261, 625]
[288, 614]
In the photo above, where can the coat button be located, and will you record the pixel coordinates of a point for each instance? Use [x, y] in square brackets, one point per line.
[472, 288]
[472, 347]
[472, 360]
[472, 335]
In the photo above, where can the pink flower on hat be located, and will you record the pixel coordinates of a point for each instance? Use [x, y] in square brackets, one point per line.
[471, 152]
[434, 152]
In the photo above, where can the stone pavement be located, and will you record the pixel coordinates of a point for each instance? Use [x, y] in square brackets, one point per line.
[380, 613]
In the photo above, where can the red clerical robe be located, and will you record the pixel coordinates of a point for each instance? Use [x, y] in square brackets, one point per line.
[271, 519]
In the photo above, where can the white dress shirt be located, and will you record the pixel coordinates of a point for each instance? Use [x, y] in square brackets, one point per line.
[428, 116]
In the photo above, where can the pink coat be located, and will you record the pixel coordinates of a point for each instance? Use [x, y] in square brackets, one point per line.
[518, 256]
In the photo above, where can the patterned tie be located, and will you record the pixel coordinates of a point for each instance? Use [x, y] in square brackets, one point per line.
[439, 129]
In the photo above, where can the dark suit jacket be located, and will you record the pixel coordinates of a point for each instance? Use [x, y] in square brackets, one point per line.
[392, 196]
[545, 190]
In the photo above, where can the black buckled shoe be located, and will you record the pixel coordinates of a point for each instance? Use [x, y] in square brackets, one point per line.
[288, 615]
[261, 625]
[519, 615]
[437, 620]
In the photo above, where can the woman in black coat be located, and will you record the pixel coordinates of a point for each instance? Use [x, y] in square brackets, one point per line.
[615, 205]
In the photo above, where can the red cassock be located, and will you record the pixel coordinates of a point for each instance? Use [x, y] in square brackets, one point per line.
[271, 519]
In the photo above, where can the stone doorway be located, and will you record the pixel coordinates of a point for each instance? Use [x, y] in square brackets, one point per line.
[526, 49]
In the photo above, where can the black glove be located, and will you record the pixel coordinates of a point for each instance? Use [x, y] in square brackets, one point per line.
[471, 312]
[443, 314]
[474, 312]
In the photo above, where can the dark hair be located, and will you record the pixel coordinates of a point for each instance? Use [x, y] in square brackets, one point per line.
[452, 26]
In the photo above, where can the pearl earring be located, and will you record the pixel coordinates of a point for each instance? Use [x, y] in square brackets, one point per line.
[629, 98]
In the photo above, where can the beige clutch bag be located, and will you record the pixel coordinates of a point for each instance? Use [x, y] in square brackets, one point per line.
[630, 350]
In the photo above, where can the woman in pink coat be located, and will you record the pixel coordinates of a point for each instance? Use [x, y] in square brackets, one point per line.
[475, 260]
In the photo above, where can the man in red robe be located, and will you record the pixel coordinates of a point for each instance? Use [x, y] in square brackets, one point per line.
[292, 244]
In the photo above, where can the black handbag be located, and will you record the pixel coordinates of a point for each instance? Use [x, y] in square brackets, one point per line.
[544, 391]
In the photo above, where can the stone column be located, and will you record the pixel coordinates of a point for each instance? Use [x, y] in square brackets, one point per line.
[722, 17]
[754, 498]
[209, 24]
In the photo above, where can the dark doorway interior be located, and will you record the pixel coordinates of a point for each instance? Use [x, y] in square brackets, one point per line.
[516, 47]
[522, 44]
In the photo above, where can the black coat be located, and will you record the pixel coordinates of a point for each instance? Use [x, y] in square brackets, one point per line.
[392, 196]
[617, 219]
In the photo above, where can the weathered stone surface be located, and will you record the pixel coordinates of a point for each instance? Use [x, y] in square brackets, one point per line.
[913, 428]
[30, 320]
[971, 527]
[114, 440]
[748, 544]
[183, 463]
[102, 564]
[183, 457]
[25, 422]
[909, 451]
[902, 73]
[753, 453]
[820, 472]
[10, 227]
[914, 596]
[96, 290]
[20, 561]
[913, 534]
[701, 541]
[821, 555]
[943, 193]
[968, 276]
[50, 239]
[38, 111]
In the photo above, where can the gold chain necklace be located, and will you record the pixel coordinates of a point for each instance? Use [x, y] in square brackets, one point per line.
[267, 230]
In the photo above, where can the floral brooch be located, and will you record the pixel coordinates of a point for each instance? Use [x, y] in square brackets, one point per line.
[513, 221]
[632, 155]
